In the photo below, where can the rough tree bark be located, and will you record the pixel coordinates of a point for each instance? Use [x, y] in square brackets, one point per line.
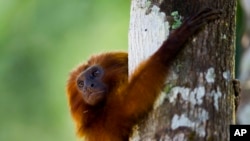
[198, 101]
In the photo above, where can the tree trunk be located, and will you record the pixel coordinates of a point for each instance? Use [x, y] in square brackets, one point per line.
[198, 101]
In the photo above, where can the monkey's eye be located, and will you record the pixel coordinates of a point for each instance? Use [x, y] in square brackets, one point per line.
[80, 84]
[96, 73]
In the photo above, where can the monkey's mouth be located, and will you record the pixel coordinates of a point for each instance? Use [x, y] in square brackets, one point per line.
[94, 97]
[94, 93]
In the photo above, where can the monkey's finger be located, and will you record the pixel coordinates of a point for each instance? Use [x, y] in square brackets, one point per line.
[199, 13]
[204, 16]
[205, 12]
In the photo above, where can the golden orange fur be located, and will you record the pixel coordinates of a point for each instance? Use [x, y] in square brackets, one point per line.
[126, 99]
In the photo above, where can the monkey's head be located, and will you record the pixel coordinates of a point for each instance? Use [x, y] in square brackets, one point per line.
[91, 86]
[102, 74]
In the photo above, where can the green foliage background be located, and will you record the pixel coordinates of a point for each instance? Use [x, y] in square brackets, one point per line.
[40, 42]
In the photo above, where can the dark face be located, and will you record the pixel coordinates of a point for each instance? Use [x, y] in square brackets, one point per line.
[90, 84]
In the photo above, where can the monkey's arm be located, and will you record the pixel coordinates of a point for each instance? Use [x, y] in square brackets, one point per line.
[148, 79]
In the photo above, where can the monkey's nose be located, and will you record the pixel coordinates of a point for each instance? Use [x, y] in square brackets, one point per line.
[89, 84]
